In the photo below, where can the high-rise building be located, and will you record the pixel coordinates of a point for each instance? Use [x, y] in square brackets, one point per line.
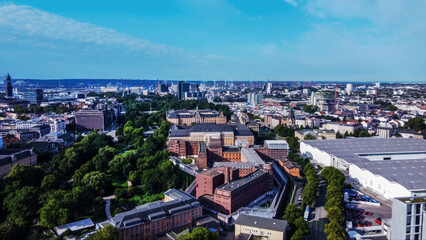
[377, 85]
[349, 87]
[409, 218]
[182, 88]
[34, 96]
[9, 90]
[269, 88]
[163, 88]
[254, 99]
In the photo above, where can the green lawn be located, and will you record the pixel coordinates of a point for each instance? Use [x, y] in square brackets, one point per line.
[117, 181]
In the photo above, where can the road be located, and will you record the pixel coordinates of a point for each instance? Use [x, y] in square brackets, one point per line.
[317, 224]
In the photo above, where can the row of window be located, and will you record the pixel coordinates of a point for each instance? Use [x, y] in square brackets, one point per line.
[417, 208]
[416, 221]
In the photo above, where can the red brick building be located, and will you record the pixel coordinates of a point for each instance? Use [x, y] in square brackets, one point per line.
[152, 220]
[225, 192]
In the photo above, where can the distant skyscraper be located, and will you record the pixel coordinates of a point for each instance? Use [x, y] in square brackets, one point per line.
[179, 90]
[349, 87]
[377, 85]
[269, 88]
[254, 99]
[183, 87]
[34, 96]
[9, 90]
[163, 88]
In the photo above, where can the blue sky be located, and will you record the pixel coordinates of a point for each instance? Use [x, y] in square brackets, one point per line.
[289, 40]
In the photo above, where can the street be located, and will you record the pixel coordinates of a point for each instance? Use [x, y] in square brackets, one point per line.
[317, 224]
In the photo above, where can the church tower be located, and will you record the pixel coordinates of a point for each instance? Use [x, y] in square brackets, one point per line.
[9, 91]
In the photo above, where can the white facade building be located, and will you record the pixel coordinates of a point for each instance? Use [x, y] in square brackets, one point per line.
[392, 167]
[349, 88]
[409, 218]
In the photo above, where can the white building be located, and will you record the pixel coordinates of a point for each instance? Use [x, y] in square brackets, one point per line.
[306, 91]
[371, 92]
[349, 89]
[384, 132]
[339, 127]
[57, 125]
[409, 218]
[254, 99]
[269, 88]
[392, 167]
[377, 85]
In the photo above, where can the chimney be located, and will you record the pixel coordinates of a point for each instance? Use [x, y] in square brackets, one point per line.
[226, 171]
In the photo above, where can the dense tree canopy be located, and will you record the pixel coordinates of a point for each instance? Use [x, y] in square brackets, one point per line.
[417, 124]
[199, 233]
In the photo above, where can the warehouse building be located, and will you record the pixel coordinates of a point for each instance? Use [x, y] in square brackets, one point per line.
[391, 167]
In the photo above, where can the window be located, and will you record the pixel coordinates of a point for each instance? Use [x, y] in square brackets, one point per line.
[408, 220]
[416, 237]
[418, 220]
[418, 206]
[417, 229]
[409, 209]
[407, 237]
[408, 230]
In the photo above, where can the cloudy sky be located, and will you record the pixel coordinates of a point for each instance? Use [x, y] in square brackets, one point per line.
[290, 40]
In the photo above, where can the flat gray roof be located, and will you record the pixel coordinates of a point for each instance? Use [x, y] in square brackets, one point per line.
[252, 156]
[410, 173]
[265, 223]
[234, 185]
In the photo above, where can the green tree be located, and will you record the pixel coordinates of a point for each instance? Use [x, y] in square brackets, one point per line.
[335, 214]
[334, 231]
[293, 143]
[96, 181]
[310, 108]
[22, 205]
[302, 226]
[417, 124]
[284, 131]
[292, 212]
[49, 182]
[109, 232]
[309, 137]
[53, 214]
[199, 233]
[297, 235]
[309, 194]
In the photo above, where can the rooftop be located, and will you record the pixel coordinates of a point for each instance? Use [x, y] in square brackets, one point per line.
[171, 113]
[156, 210]
[412, 199]
[276, 144]
[252, 156]
[185, 131]
[75, 226]
[265, 223]
[231, 186]
[400, 160]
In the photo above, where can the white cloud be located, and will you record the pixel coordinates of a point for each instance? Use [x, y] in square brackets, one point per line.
[215, 56]
[291, 2]
[268, 48]
[31, 22]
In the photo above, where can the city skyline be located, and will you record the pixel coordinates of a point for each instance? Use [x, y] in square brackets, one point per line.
[282, 40]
